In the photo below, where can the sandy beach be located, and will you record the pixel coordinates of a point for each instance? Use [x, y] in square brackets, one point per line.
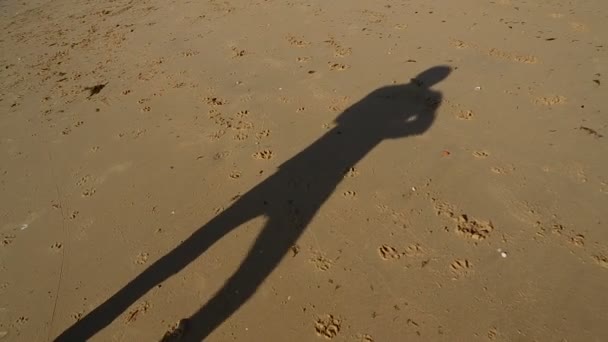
[304, 170]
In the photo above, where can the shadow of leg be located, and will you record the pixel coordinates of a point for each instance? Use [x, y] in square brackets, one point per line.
[270, 247]
[176, 260]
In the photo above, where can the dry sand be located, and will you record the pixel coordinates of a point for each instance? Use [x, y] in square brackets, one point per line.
[472, 211]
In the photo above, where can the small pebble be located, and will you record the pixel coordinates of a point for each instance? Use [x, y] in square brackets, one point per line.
[503, 254]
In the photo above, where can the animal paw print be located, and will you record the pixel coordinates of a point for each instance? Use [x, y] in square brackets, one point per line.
[297, 42]
[342, 51]
[481, 154]
[240, 136]
[513, 57]
[388, 253]
[474, 229]
[263, 155]
[178, 85]
[460, 267]
[21, 320]
[550, 100]
[263, 134]
[83, 180]
[337, 66]
[141, 258]
[492, 334]
[243, 125]
[578, 240]
[77, 316]
[190, 53]
[221, 155]
[349, 194]
[215, 101]
[328, 326]
[413, 250]
[351, 172]
[601, 260]
[57, 246]
[89, 192]
[7, 239]
[322, 263]
[498, 170]
[365, 338]
[238, 52]
[465, 114]
[217, 134]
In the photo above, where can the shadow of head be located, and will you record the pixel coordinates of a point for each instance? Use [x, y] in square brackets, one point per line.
[396, 111]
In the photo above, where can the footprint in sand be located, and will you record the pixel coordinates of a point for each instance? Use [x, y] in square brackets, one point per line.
[83, 180]
[297, 42]
[481, 154]
[460, 267]
[513, 57]
[352, 172]
[57, 246]
[142, 258]
[387, 252]
[263, 134]
[601, 260]
[240, 136]
[337, 66]
[263, 155]
[328, 326]
[465, 114]
[550, 100]
[89, 192]
[349, 194]
[472, 228]
[321, 262]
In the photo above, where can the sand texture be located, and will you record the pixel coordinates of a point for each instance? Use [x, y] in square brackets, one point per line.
[304, 170]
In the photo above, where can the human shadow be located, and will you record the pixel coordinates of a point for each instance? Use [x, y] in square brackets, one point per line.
[289, 199]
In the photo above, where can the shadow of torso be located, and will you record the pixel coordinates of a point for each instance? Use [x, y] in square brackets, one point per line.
[305, 181]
